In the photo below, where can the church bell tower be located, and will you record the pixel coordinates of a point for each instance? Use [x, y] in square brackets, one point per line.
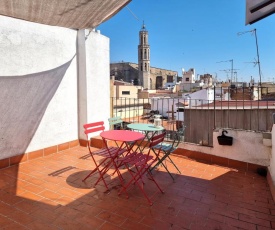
[144, 58]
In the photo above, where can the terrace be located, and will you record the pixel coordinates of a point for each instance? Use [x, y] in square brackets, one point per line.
[48, 193]
[47, 97]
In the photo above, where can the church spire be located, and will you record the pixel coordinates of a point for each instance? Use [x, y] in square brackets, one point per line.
[144, 58]
[143, 26]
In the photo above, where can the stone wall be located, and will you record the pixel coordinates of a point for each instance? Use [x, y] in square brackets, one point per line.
[128, 72]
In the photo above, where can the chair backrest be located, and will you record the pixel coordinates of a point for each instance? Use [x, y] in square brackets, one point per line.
[93, 127]
[115, 121]
[177, 137]
[157, 139]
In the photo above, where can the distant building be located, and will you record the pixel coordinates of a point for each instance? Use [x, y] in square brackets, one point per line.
[188, 76]
[189, 82]
[121, 89]
[206, 80]
[200, 97]
[143, 74]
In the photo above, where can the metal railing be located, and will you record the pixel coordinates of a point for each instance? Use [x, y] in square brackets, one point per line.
[230, 108]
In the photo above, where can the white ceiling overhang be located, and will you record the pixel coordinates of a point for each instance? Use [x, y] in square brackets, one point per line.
[258, 9]
[74, 14]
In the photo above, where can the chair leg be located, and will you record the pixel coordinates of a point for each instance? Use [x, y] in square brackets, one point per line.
[89, 174]
[134, 180]
[136, 177]
[174, 165]
[101, 173]
[152, 178]
[151, 169]
[160, 161]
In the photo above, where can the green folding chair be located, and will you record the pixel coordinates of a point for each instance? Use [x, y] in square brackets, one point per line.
[164, 150]
[115, 123]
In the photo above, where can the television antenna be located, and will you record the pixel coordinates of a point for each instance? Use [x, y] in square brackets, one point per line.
[257, 62]
[231, 60]
[226, 71]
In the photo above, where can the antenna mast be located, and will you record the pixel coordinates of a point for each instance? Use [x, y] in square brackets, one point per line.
[258, 56]
[231, 60]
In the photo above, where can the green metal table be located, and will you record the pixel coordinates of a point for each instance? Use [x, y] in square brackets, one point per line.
[149, 131]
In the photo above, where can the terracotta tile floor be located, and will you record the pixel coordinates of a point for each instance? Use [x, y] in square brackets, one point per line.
[47, 193]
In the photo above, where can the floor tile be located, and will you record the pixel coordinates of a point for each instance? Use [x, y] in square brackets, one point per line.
[48, 193]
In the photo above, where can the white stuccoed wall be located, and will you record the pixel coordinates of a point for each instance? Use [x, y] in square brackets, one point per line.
[32, 48]
[98, 78]
[94, 88]
[247, 147]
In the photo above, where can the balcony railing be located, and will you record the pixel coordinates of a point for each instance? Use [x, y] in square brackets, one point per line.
[200, 116]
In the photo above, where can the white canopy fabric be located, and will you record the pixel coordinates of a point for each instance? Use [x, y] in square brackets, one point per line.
[24, 100]
[74, 14]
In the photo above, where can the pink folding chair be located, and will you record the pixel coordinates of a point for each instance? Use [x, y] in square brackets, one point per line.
[139, 163]
[107, 155]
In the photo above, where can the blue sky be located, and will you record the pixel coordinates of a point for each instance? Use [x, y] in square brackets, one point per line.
[195, 34]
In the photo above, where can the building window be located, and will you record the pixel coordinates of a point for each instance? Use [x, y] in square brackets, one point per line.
[187, 79]
[125, 92]
[135, 81]
[169, 78]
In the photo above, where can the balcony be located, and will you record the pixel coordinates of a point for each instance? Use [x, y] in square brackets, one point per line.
[46, 100]
[48, 193]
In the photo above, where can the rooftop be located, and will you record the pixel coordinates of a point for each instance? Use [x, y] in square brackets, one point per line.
[48, 193]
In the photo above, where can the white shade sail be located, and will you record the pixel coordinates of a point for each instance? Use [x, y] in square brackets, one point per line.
[74, 14]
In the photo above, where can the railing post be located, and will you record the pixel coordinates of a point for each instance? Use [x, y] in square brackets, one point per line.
[214, 107]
